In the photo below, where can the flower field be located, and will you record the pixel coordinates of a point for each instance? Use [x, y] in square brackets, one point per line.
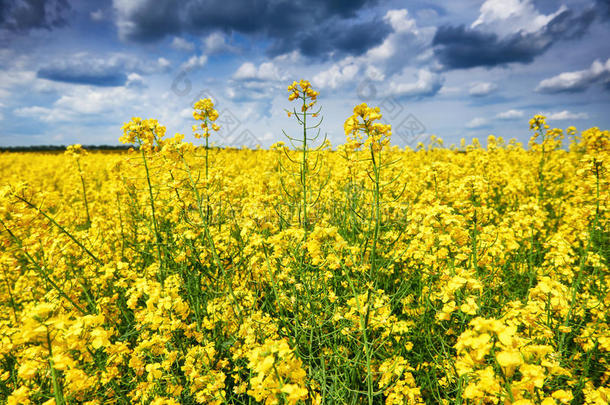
[361, 273]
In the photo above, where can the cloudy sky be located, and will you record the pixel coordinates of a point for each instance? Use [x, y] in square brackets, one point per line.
[74, 71]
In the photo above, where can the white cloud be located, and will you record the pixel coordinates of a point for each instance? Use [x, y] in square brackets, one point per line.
[336, 76]
[195, 62]
[576, 81]
[216, 43]
[97, 15]
[182, 44]
[244, 91]
[427, 14]
[293, 57]
[374, 73]
[400, 22]
[265, 72]
[510, 115]
[95, 101]
[43, 114]
[17, 78]
[125, 9]
[482, 89]
[186, 113]
[134, 80]
[427, 84]
[246, 71]
[506, 17]
[398, 48]
[450, 90]
[565, 115]
[82, 102]
[478, 122]
[163, 63]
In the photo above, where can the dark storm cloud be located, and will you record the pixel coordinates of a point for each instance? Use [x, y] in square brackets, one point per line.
[97, 70]
[603, 9]
[316, 28]
[353, 39]
[80, 77]
[23, 15]
[459, 47]
[152, 21]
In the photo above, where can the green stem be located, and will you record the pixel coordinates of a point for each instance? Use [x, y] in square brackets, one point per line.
[82, 180]
[152, 207]
[61, 228]
[304, 168]
[57, 389]
[377, 207]
[207, 194]
[10, 294]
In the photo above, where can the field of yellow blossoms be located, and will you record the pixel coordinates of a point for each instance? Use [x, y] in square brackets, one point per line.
[308, 273]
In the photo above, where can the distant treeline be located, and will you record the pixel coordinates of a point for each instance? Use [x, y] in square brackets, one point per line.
[61, 148]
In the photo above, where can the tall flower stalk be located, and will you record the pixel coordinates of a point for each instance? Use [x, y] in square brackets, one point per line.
[303, 92]
[147, 135]
[77, 151]
[205, 113]
[362, 131]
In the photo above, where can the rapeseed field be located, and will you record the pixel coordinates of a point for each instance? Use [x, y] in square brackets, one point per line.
[309, 273]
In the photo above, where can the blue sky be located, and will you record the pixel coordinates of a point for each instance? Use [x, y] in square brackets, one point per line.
[74, 71]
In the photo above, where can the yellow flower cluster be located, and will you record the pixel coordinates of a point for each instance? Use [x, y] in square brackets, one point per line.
[522, 367]
[397, 378]
[303, 90]
[362, 124]
[204, 111]
[551, 138]
[278, 373]
[147, 133]
[75, 150]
